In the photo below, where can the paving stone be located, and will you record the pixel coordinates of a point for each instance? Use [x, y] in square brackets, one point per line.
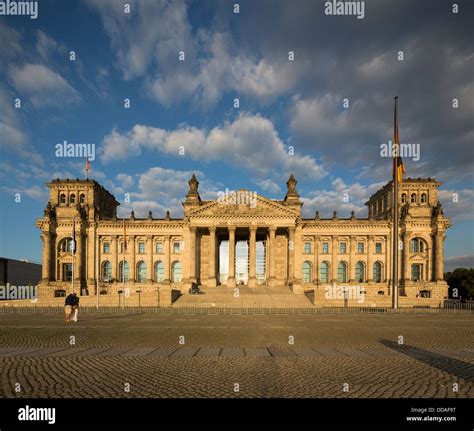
[208, 352]
[331, 353]
[46, 352]
[257, 352]
[139, 351]
[229, 351]
[305, 351]
[184, 353]
[114, 352]
[71, 351]
[164, 352]
[93, 351]
[25, 351]
[281, 352]
[353, 352]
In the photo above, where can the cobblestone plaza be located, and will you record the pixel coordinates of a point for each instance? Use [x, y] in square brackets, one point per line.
[154, 355]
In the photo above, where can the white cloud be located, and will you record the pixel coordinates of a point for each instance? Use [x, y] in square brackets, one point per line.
[457, 204]
[250, 141]
[42, 85]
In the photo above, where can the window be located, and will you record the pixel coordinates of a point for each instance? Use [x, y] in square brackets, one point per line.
[425, 293]
[324, 272]
[141, 272]
[159, 247]
[106, 247]
[72, 199]
[325, 247]
[378, 247]
[62, 198]
[307, 247]
[59, 293]
[423, 198]
[417, 245]
[360, 272]
[82, 198]
[106, 271]
[342, 248]
[377, 272]
[342, 272]
[141, 247]
[176, 272]
[124, 271]
[66, 245]
[159, 272]
[404, 198]
[176, 247]
[413, 198]
[416, 273]
[306, 272]
[67, 272]
[360, 247]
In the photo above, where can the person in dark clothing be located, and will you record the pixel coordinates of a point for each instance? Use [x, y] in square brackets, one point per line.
[69, 303]
[75, 307]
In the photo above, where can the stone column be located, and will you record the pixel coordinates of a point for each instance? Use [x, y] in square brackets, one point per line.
[271, 255]
[406, 251]
[211, 280]
[252, 257]
[439, 256]
[334, 263]
[316, 260]
[370, 260]
[91, 253]
[352, 259]
[115, 257]
[46, 268]
[167, 259]
[133, 263]
[388, 259]
[231, 277]
[149, 269]
[192, 254]
[291, 254]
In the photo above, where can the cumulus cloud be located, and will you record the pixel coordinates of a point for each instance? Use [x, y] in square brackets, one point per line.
[250, 141]
[42, 86]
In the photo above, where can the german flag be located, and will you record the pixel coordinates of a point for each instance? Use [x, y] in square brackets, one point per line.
[87, 168]
[398, 167]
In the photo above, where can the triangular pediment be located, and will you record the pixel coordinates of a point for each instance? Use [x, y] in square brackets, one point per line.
[243, 205]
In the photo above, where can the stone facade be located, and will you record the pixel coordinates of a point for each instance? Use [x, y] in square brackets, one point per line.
[254, 242]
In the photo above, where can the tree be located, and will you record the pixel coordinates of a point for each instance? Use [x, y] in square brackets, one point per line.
[461, 279]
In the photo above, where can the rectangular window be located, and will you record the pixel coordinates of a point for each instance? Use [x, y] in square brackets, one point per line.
[176, 247]
[325, 247]
[342, 248]
[141, 247]
[106, 247]
[67, 272]
[307, 247]
[360, 247]
[159, 247]
[416, 272]
[378, 247]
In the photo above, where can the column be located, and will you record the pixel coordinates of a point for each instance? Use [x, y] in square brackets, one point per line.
[316, 260]
[388, 258]
[115, 257]
[167, 259]
[291, 254]
[370, 265]
[91, 252]
[149, 268]
[439, 256]
[46, 268]
[271, 255]
[211, 280]
[406, 251]
[252, 257]
[334, 259]
[78, 261]
[192, 254]
[133, 263]
[352, 259]
[231, 277]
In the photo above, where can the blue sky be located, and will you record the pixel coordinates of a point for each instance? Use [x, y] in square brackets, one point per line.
[283, 104]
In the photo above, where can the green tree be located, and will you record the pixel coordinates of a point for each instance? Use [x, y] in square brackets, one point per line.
[461, 279]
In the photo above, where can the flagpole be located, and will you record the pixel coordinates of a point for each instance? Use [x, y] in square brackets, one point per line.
[395, 212]
[123, 267]
[97, 268]
[73, 251]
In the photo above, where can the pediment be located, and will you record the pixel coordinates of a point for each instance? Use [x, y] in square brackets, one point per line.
[254, 206]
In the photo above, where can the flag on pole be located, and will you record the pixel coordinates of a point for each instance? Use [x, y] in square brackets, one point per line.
[398, 167]
[73, 242]
[87, 167]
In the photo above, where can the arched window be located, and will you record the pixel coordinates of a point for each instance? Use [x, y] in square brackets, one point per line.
[159, 272]
[62, 198]
[324, 272]
[141, 272]
[413, 198]
[306, 273]
[106, 271]
[72, 198]
[378, 272]
[423, 198]
[124, 271]
[82, 198]
[66, 245]
[417, 245]
[176, 272]
[360, 272]
[342, 272]
[404, 198]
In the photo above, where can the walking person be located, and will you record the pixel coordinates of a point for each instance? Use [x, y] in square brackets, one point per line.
[75, 307]
[68, 304]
